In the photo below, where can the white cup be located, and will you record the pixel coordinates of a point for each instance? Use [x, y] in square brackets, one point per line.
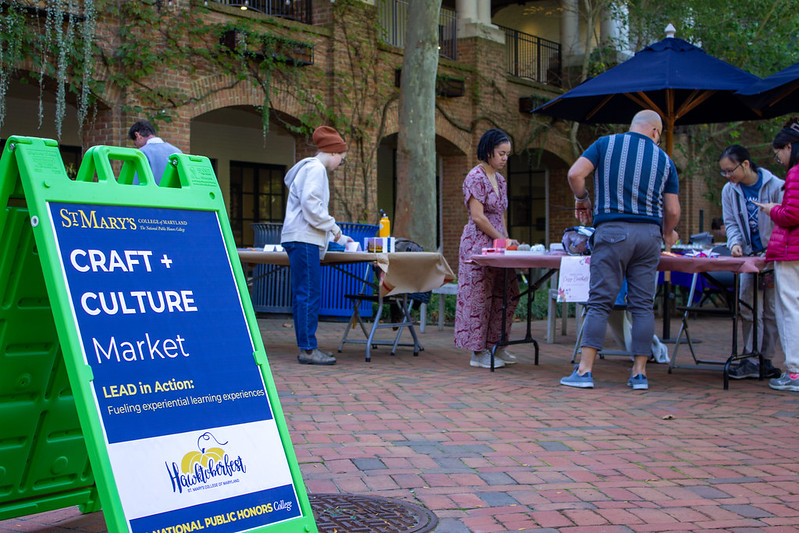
[352, 246]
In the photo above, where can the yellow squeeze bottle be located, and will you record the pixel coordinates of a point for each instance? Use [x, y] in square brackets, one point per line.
[384, 226]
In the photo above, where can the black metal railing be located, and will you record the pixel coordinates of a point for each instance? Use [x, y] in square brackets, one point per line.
[299, 10]
[393, 19]
[533, 57]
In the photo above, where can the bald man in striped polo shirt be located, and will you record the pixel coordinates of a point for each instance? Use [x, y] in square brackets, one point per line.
[635, 209]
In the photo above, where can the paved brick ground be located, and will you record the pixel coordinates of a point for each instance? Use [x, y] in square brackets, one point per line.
[515, 450]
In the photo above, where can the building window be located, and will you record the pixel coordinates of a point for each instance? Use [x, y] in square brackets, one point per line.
[527, 213]
[257, 194]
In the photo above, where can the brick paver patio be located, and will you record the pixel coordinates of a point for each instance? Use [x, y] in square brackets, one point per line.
[514, 450]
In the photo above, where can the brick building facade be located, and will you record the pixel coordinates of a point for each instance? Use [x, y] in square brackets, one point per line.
[351, 85]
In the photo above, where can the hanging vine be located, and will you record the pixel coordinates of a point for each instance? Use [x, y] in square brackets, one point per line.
[49, 30]
[89, 27]
[11, 46]
[49, 52]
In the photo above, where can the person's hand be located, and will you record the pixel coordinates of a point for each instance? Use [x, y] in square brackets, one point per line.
[582, 211]
[765, 207]
[736, 250]
[671, 239]
[344, 239]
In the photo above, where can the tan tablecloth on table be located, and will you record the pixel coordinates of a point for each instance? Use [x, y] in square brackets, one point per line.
[404, 272]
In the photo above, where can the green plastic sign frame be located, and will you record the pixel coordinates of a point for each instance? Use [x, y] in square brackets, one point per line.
[176, 402]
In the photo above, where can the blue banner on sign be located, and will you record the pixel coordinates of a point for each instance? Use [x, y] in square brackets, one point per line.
[160, 320]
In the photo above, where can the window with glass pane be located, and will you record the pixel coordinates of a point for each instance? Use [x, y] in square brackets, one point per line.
[526, 200]
[257, 194]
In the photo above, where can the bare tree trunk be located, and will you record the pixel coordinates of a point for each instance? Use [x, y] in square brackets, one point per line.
[415, 212]
[592, 11]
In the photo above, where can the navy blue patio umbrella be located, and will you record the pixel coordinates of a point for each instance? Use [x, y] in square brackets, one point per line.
[680, 81]
[775, 95]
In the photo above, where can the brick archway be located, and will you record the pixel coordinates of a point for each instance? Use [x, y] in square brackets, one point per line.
[221, 91]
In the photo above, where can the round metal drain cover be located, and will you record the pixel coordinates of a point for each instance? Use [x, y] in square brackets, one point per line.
[350, 513]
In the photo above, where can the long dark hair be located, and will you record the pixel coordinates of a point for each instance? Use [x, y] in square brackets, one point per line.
[489, 141]
[738, 154]
[789, 135]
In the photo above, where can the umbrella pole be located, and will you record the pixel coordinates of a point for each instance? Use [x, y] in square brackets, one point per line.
[668, 296]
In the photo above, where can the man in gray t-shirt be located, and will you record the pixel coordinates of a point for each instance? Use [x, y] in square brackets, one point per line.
[154, 148]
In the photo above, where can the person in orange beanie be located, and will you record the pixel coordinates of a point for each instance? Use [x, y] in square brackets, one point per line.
[308, 227]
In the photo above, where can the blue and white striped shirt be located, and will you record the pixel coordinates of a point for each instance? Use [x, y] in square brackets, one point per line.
[631, 174]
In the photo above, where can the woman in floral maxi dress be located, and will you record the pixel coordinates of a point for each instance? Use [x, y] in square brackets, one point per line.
[478, 315]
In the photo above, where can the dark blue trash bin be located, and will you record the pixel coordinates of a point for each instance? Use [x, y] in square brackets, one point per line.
[336, 284]
[271, 289]
[272, 292]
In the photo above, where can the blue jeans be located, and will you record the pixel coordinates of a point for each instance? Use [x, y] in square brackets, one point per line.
[306, 283]
[623, 249]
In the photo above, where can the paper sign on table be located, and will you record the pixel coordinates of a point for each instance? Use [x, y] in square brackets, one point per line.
[574, 279]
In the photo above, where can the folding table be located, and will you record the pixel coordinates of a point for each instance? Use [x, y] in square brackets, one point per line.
[551, 262]
[400, 273]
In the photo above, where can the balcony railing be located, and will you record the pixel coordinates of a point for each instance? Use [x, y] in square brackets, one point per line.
[532, 57]
[299, 10]
[393, 19]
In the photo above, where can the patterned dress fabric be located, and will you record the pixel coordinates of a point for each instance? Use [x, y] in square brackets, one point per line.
[478, 314]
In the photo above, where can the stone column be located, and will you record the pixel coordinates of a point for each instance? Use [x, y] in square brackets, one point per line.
[474, 20]
[569, 32]
[484, 12]
[467, 14]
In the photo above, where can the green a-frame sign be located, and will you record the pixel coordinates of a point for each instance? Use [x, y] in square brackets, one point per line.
[132, 371]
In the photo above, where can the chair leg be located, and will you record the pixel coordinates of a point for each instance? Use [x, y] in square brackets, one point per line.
[371, 335]
[551, 306]
[579, 338]
[354, 319]
[417, 346]
[441, 305]
[406, 306]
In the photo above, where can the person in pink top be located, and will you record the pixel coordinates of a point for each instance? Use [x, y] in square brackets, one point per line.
[783, 249]
[478, 313]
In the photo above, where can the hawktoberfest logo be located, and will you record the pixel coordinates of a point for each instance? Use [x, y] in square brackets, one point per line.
[205, 468]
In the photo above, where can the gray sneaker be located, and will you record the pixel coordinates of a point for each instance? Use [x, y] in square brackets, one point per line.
[316, 357]
[506, 357]
[483, 360]
[747, 369]
[784, 382]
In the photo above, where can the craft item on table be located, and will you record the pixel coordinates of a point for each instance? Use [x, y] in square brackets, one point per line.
[501, 243]
[526, 249]
[577, 240]
[379, 244]
[697, 253]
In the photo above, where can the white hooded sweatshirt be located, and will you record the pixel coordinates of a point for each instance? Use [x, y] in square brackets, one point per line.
[307, 219]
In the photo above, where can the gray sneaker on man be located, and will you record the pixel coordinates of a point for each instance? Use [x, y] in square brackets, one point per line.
[749, 368]
[316, 357]
[784, 382]
[746, 369]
